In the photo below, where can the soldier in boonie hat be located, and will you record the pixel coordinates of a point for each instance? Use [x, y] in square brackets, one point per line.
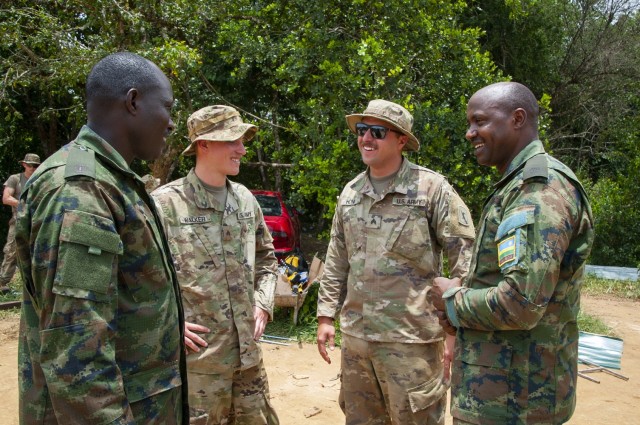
[31, 159]
[217, 123]
[389, 112]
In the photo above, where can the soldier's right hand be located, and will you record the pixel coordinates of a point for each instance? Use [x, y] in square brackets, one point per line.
[326, 336]
[191, 339]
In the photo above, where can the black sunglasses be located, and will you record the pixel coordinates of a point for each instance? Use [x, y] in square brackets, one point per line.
[377, 131]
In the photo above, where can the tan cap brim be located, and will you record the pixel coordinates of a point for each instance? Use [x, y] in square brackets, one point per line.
[412, 145]
[247, 131]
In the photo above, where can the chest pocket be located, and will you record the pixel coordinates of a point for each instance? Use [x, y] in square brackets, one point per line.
[410, 234]
[198, 245]
[354, 225]
[511, 238]
[87, 239]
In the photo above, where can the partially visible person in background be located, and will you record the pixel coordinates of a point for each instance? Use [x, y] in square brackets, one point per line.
[10, 196]
[101, 331]
[226, 267]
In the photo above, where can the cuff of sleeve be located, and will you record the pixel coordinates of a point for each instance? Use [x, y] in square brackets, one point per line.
[449, 297]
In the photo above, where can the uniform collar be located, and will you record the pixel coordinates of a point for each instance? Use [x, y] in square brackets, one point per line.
[399, 184]
[89, 139]
[532, 149]
[203, 199]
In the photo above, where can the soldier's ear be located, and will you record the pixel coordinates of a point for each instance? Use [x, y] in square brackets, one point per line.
[131, 101]
[519, 118]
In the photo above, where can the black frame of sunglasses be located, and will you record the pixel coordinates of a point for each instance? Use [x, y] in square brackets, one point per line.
[376, 130]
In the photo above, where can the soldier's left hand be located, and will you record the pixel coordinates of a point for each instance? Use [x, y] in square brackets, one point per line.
[440, 285]
[192, 340]
[261, 317]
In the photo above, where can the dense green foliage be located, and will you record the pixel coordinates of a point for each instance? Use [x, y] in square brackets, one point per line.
[296, 68]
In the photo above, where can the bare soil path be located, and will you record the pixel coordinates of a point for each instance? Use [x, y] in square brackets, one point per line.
[304, 389]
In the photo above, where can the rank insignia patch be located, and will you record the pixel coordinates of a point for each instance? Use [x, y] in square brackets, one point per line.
[507, 250]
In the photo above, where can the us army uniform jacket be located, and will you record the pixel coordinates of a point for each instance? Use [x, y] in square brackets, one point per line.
[517, 341]
[385, 252]
[101, 336]
[226, 264]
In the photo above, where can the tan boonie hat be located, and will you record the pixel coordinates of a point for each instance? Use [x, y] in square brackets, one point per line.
[391, 113]
[31, 159]
[217, 123]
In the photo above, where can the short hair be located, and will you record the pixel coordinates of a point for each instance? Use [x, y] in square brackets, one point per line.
[516, 95]
[114, 75]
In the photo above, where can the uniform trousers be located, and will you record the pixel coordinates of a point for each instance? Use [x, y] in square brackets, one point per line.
[239, 397]
[9, 262]
[392, 383]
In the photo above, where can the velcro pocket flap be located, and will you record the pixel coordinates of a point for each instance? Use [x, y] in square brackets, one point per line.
[96, 233]
[519, 218]
[87, 254]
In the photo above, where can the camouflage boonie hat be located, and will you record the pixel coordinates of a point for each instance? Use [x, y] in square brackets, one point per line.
[391, 113]
[217, 123]
[31, 159]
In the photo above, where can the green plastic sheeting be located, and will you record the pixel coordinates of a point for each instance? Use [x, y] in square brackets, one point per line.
[602, 350]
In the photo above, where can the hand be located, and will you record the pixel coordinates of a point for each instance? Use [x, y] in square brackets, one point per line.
[261, 318]
[449, 345]
[444, 322]
[440, 285]
[191, 339]
[326, 334]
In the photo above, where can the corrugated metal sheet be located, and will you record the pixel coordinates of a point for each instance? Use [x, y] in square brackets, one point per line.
[602, 350]
[614, 273]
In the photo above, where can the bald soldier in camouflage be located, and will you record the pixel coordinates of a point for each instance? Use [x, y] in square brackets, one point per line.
[391, 225]
[226, 267]
[101, 328]
[516, 314]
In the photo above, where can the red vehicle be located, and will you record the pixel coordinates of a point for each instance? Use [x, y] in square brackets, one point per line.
[282, 221]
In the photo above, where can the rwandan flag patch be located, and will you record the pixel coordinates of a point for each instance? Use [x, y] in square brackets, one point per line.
[506, 250]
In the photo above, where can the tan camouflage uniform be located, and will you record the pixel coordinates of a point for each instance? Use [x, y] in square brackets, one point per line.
[517, 340]
[8, 268]
[101, 338]
[226, 264]
[384, 252]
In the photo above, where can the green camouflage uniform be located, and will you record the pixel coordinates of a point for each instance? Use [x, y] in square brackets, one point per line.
[226, 264]
[517, 342]
[101, 338]
[16, 182]
[384, 253]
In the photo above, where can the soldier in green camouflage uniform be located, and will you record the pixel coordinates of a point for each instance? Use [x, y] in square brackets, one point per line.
[226, 268]
[517, 337]
[10, 195]
[391, 226]
[101, 329]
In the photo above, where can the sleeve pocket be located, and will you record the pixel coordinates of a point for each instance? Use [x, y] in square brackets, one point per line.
[89, 245]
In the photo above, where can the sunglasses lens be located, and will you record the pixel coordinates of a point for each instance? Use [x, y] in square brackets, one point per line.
[377, 131]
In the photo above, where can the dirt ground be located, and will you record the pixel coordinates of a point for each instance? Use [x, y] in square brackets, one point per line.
[304, 389]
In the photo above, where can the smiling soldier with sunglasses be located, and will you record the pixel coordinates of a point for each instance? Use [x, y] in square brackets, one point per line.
[391, 225]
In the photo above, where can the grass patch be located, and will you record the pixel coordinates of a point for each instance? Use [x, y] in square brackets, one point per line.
[16, 289]
[625, 289]
[594, 325]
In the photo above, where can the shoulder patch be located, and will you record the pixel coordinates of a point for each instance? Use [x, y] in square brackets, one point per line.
[80, 162]
[538, 166]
